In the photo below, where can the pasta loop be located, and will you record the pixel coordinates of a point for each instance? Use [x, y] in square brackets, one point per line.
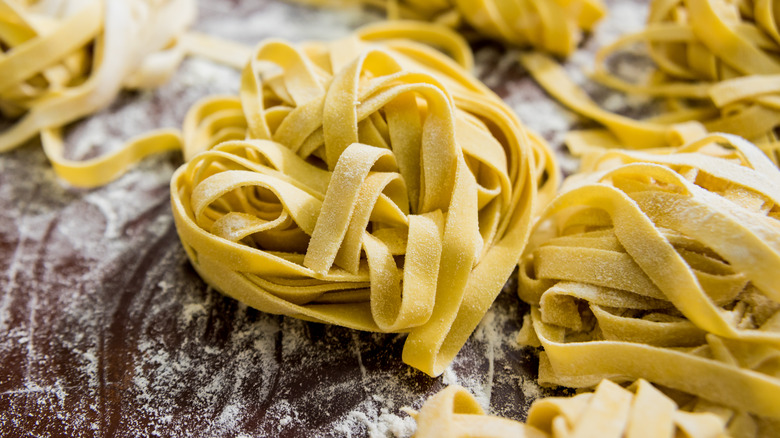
[662, 266]
[368, 182]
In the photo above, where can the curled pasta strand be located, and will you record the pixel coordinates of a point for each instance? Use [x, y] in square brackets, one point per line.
[660, 265]
[366, 172]
[610, 411]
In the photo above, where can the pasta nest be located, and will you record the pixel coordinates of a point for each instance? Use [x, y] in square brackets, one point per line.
[696, 43]
[713, 40]
[368, 182]
[717, 64]
[554, 26]
[64, 60]
[640, 410]
[663, 266]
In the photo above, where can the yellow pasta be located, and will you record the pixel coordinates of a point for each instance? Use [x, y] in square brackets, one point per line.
[62, 61]
[721, 55]
[554, 26]
[705, 41]
[663, 266]
[368, 182]
[611, 411]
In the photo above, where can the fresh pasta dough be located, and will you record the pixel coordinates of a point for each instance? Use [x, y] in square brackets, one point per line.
[66, 59]
[554, 26]
[663, 266]
[717, 65]
[611, 411]
[368, 182]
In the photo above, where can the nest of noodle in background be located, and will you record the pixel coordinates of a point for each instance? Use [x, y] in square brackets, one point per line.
[717, 67]
[64, 60]
[368, 182]
[552, 26]
[725, 55]
[663, 266]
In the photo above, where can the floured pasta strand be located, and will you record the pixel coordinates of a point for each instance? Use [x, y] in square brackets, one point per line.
[640, 410]
[717, 64]
[663, 266]
[63, 60]
[368, 182]
[554, 26]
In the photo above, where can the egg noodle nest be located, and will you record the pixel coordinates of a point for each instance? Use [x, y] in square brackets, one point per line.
[368, 182]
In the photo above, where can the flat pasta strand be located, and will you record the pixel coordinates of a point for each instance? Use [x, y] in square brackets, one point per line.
[662, 266]
[394, 190]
